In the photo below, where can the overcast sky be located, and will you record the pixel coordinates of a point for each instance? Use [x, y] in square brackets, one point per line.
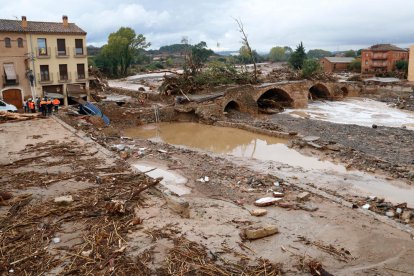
[327, 24]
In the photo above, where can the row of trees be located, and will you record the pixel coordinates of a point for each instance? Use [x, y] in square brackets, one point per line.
[125, 48]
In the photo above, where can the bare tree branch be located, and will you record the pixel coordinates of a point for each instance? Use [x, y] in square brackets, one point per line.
[245, 42]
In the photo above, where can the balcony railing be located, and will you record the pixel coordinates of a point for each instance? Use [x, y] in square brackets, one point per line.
[7, 82]
[45, 77]
[62, 54]
[80, 77]
[43, 52]
[79, 52]
[65, 78]
[379, 64]
[379, 56]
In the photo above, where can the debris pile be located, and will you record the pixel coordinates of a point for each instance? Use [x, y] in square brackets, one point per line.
[187, 258]
[287, 74]
[8, 117]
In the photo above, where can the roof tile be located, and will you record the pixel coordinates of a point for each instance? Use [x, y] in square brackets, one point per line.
[7, 25]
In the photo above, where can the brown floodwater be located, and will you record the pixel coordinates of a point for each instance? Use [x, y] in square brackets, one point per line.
[236, 142]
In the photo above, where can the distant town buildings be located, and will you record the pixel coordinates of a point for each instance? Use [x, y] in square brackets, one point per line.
[41, 59]
[411, 65]
[335, 64]
[381, 58]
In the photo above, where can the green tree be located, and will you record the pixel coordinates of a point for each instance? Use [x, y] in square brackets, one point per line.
[350, 53]
[355, 65]
[277, 54]
[311, 67]
[298, 57]
[318, 53]
[402, 65]
[123, 48]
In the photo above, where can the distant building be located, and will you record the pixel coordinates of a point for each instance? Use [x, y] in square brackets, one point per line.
[41, 59]
[411, 65]
[335, 64]
[381, 58]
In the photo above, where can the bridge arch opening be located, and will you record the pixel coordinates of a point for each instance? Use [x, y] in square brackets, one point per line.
[318, 91]
[232, 106]
[344, 91]
[274, 100]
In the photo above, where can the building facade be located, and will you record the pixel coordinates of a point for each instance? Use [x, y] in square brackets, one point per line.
[382, 58]
[411, 65]
[335, 64]
[53, 61]
[14, 84]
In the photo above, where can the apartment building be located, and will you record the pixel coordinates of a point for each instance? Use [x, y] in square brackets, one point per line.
[55, 59]
[381, 58]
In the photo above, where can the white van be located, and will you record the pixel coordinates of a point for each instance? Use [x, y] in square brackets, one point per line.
[7, 107]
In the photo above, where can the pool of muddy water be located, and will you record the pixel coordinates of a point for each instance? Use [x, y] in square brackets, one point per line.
[236, 142]
[265, 154]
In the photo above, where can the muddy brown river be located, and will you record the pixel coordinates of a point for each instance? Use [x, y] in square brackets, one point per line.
[268, 154]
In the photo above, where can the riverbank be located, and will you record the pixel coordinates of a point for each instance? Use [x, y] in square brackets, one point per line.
[221, 206]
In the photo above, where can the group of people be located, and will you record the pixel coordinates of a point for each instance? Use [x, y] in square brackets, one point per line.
[45, 105]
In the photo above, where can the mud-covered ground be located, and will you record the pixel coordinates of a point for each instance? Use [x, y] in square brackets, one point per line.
[385, 148]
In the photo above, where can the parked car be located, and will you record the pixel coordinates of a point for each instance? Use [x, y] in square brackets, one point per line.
[7, 107]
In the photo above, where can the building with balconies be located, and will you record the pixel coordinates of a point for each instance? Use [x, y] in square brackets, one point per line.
[53, 56]
[381, 58]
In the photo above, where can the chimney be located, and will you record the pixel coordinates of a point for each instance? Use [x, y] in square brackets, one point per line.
[24, 22]
[65, 21]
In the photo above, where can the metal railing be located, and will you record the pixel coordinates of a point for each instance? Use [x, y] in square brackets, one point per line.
[62, 54]
[65, 78]
[79, 52]
[379, 56]
[80, 76]
[45, 77]
[43, 52]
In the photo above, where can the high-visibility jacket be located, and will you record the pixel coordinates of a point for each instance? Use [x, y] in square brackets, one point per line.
[49, 102]
[31, 105]
[43, 103]
[56, 102]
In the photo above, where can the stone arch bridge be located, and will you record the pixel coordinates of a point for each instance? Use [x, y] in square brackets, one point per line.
[287, 94]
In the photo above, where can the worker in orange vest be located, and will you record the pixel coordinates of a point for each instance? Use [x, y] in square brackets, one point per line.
[31, 106]
[56, 104]
[43, 106]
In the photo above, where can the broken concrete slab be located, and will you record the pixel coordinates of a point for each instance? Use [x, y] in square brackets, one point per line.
[258, 212]
[311, 138]
[258, 232]
[303, 196]
[266, 201]
[64, 200]
[177, 204]
[407, 215]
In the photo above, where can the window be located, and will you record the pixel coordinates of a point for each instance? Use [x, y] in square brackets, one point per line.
[42, 46]
[44, 73]
[61, 47]
[78, 46]
[20, 42]
[81, 71]
[63, 71]
[7, 42]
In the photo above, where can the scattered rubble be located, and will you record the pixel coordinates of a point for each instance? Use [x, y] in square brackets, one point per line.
[258, 232]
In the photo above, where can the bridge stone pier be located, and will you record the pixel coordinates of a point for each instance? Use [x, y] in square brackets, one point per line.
[287, 94]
